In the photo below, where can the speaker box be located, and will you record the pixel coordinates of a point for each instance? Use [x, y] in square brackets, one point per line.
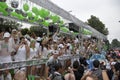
[73, 27]
[52, 28]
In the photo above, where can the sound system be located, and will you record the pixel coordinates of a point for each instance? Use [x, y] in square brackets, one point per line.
[52, 28]
[73, 27]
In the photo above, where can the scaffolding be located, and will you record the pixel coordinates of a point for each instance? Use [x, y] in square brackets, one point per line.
[66, 15]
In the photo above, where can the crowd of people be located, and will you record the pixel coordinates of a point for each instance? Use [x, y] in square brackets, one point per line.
[17, 47]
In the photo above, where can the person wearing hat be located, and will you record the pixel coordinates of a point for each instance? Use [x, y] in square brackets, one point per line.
[5, 55]
[37, 43]
[13, 43]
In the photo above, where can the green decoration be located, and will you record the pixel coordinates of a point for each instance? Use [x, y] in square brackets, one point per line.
[45, 23]
[14, 14]
[36, 18]
[35, 10]
[64, 29]
[30, 14]
[61, 22]
[76, 33]
[32, 21]
[20, 17]
[3, 5]
[1, 9]
[86, 32]
[26, 7]
[55, 18]
[43, 13]
[5, 13]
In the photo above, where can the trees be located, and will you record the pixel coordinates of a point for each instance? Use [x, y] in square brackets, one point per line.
[98, 25]
[8, 25]
[115, 43]
[38, 30]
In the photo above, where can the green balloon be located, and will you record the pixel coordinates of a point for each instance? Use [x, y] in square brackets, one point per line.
[1, 9]
[64, 29]
[43, 13]
[30, 14]
[36, 18]
[3, 5]
[20, 17]
[46, 13]
[26, 7]
[55, 18]
[86, 32]
[35, 10]
[14, 14]
[45, 23]
[5, 13]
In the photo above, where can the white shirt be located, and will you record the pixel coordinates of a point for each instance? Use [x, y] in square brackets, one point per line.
[33, 52]
[21, 53]
[4, 48]
[37, 46]
[12, 44]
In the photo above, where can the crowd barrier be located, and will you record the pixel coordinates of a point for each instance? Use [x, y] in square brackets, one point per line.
[20, 64]
[33, 62]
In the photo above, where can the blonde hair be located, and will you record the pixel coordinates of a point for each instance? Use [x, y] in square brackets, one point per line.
[94, 77]
[32, 41]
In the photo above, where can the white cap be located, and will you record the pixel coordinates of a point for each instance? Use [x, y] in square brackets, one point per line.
[60, 46]
[113, 63]
[6, 34]
[14, 30]
[38, 39]
[68, 44]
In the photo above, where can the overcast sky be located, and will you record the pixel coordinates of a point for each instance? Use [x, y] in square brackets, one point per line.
[108, 11]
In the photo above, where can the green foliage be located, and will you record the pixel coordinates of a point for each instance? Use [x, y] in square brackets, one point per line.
[98, 25]
[38, 30]
[115, 43]
[7, 25]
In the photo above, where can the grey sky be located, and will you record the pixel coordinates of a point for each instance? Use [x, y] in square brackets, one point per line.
[106, 10]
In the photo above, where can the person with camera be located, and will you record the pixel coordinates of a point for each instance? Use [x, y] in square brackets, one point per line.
[5, 55]
[22, 54]
[22, 50]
